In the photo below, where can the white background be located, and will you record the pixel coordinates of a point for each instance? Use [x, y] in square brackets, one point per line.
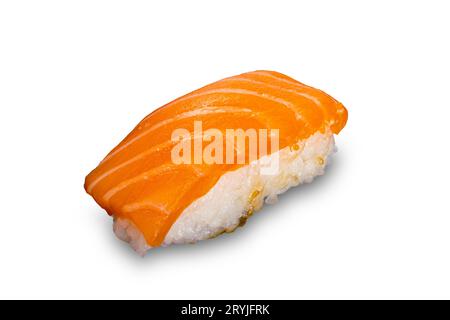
[76, 76]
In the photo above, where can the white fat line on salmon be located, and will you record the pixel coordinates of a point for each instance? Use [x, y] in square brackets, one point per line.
[270, 75]
[194, 310]
[145, 205]
[167, 167]
[302, 86]
[151, 205]
[182, 116]
[265, 96]
[293, 82]
[283, 102]
[315, 100]
[124, 164]
[188, 151]
[293, 91]
[139, 156]
[232, 90]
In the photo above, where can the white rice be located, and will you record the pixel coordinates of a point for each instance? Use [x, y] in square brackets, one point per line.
[238, 194]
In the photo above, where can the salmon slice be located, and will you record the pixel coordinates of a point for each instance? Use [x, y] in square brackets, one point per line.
[138, 181]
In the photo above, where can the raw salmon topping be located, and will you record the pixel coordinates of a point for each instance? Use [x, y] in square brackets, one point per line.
[139, 181]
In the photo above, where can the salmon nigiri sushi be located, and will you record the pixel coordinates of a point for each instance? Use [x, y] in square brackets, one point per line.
[203, 163]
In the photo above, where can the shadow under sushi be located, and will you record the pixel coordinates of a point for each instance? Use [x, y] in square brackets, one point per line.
[240, 235]
[235, 239]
